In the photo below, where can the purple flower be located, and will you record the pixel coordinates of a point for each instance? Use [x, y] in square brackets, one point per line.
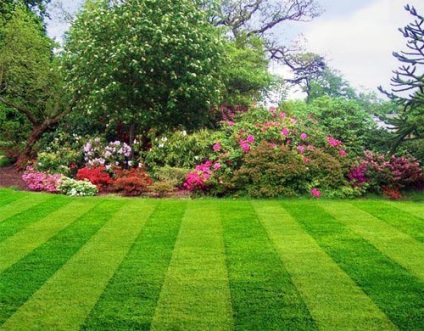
[303, 136]
[250, 139]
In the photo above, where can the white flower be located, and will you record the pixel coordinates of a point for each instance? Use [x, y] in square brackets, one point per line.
[196, 157]
[164, 139]
[184, 133]
[160, 145]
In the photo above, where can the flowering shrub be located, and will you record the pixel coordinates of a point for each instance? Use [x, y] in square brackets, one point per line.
[99, 153]
[77, 188]
[61, 153]
[182, 150]
[389, 174]
[40, 181]
[132, 182]
[196, 180]
[97, 176]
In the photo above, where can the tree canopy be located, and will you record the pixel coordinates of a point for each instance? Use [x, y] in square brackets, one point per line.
[144, 63]
[30, 82]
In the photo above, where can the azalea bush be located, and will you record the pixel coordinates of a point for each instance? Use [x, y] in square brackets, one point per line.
[41, 181]
[77, 188]
[387, 174]
[131, 182]
[97, 175]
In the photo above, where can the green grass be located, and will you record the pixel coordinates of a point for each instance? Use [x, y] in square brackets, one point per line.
[143, 264]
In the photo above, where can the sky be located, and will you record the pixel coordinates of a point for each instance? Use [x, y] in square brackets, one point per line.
[357, 37]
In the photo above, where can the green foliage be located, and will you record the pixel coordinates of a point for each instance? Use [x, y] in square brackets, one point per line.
[30, 82]
[270, 172]
[144, 64]
[77, 188]
[174, 176]
[344, 119]
[180, 149]
[332, 84]
[246, 73]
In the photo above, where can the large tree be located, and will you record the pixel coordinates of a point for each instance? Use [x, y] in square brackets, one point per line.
[144, 63]
[408, 84]
[38, 7]
[29, 80]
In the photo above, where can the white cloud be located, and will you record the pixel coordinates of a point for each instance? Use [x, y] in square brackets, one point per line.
[360, 45]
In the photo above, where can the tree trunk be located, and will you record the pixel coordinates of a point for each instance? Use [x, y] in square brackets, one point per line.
[33, 137]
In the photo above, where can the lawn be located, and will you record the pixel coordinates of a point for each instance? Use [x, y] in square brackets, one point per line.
[119, 264]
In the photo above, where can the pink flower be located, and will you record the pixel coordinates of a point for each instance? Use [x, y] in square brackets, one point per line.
[310, 148]
[342, 153]
[285, 132]
[293, 120]
[316, 193]
[272, 108]
[217, 147]
[303, 136]
[282, 115]
[305, 160]
[230, 123]
[301, 149]
[244, 146]
[250, 139]
[217, 166]
[334, 142]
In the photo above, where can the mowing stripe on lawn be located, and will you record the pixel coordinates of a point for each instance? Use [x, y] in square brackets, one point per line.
[36, 268]
[405, 222]
[7, 197]
[416, 209]
[14, 224]
[397, 293]
[66, 299]
[195, 294]
[24, 242]
[333, 299]
[21, 205]
[263, 294]
[397, 245]
[129, 301]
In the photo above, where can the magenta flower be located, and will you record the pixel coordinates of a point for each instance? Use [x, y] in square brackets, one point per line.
[316, 193]
[250, 139]
[244, 146]
[342, 153]
[282, 115]
[334, 142]
[301, 149]
[217, 166]
[293, 120]
[285, 132]
[217, 147]
[303, 136]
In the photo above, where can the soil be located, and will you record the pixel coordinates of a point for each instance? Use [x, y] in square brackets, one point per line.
[10, 177]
